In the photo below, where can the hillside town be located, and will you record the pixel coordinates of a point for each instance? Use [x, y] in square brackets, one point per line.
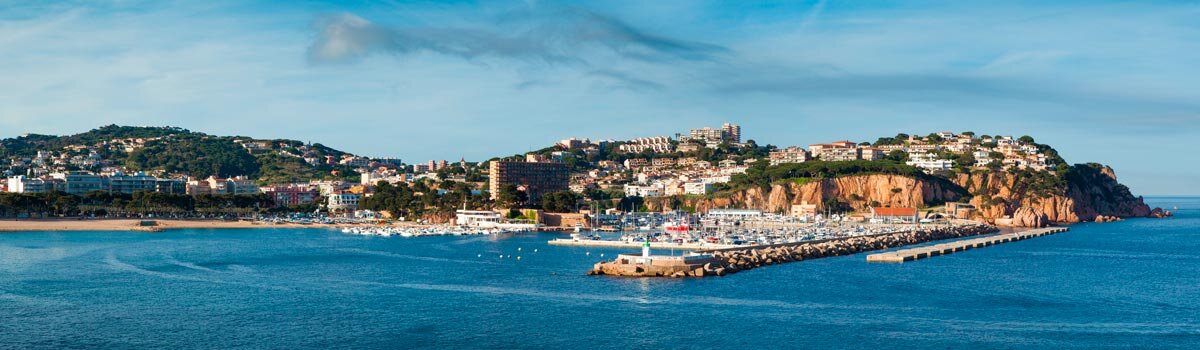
[597, 173]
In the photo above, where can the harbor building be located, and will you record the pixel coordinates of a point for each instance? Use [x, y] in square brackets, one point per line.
[960, 210]
[536, 178]
[804, 210]
[734, 214]
[893, 215]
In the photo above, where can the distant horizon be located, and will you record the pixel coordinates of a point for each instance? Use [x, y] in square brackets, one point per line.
[1106, 82]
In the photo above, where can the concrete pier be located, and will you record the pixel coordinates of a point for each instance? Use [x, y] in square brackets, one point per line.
[912, 254]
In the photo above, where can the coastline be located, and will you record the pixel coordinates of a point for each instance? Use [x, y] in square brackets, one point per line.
[74, 224]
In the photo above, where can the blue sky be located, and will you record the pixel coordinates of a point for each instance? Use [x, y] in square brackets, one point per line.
[1110, 82]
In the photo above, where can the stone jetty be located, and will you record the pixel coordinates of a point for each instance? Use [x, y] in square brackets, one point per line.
[732, 260]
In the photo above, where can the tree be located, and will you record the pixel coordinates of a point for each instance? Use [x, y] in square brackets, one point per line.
[897, 156]
[511, 196]
[560, 202]
[631, 204]
[1026, 139]
[836, 206]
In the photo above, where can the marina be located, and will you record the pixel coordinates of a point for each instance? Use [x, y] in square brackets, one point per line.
[721, 262]
[571, 242]
[389, 231]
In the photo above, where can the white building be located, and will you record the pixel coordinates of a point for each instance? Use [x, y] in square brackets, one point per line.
[342, 202]
[661, 144]
[789, 155]
[697, 188]
[356, 162]
[376, 176]
[929, 162]
[734, 214]
[652, 190]
[488, 220]
[22, 184]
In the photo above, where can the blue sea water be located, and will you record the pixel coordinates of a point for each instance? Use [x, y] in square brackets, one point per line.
[1131, 284]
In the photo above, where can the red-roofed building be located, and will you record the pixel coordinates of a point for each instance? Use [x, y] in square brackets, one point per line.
[891, 215]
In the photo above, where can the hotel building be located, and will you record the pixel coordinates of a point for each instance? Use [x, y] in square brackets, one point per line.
[536, 178]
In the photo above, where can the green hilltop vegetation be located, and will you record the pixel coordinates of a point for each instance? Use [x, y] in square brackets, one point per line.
[29, 145]
[178, 150]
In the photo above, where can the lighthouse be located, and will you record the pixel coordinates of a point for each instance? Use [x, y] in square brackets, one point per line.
[645, 248]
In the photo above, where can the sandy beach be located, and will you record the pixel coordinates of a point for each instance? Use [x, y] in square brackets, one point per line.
[9, 225]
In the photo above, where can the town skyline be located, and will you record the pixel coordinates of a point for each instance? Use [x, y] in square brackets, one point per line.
[359, 78]
[675, 136]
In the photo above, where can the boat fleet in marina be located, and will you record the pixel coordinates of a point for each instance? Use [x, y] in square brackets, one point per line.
[386, 231]
[723, 227]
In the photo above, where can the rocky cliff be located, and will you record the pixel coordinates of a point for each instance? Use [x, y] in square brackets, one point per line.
[1024, 198]
[1082, 193]
[858, 192]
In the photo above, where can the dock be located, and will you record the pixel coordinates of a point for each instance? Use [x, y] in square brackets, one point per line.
[912, 254]
[567, 242]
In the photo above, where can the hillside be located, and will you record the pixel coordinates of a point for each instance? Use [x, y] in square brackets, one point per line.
[178, 151]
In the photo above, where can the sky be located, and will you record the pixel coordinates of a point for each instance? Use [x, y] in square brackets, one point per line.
[1108, 82]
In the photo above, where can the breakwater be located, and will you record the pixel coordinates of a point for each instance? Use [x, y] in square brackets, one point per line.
[958, 246]
[732, 260]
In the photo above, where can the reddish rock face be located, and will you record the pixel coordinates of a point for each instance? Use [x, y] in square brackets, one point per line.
[1029, 217]
[1094, 193]
[1084, 199]
[859, 191]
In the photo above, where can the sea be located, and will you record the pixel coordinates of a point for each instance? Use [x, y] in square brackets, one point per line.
[1133, 284]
